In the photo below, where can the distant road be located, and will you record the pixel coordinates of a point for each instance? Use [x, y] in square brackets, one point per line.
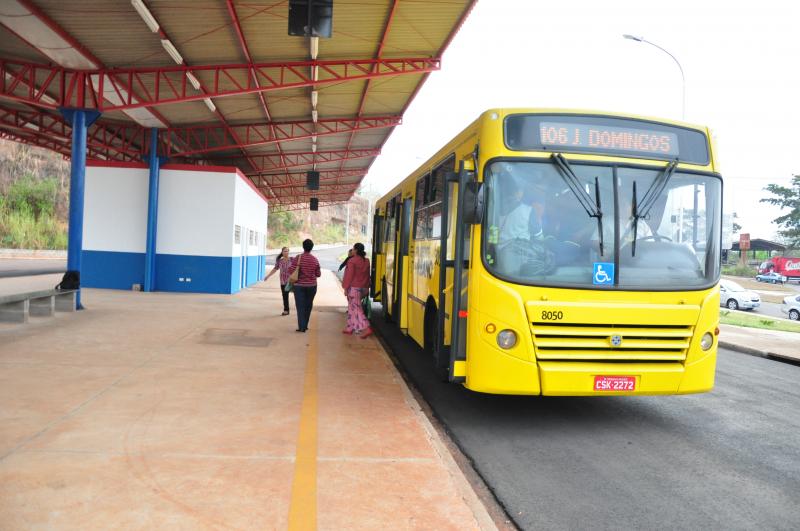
[16, 267]
[770, 309]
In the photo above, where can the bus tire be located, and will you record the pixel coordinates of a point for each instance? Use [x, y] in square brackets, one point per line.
[386, 317]
[441, 361]
[432, 331]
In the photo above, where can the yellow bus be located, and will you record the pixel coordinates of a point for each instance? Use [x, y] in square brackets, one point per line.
[559, 252]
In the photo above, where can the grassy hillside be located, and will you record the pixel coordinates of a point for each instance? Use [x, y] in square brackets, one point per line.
[34, 195]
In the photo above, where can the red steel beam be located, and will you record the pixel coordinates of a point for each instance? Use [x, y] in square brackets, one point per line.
[295, 198]
[117, 141]
[292, 207]
[62, 147]
[31, 82]
[121, 139]
[279, 180]
[279, 161]
[200, 139]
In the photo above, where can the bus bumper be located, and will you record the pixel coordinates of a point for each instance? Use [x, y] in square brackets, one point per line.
[509, 375]
[578, 378]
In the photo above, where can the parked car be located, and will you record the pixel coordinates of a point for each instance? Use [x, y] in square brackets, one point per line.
[791, 307]
[735, 297]
[772, 276]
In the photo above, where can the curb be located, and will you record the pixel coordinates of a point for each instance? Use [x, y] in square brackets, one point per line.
[755, 352]
[38, 254]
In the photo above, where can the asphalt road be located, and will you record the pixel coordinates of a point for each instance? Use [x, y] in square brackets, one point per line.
[770, 309]
[729, 459]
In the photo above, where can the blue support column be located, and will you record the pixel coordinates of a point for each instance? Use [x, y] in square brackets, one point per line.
[152, 213]
[80, 120]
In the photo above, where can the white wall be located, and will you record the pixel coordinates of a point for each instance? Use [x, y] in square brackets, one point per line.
[195, 212]
[115, 209]
[250, 212]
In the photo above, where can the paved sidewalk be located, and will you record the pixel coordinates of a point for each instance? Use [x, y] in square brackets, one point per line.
[193, 411]
[760, 342]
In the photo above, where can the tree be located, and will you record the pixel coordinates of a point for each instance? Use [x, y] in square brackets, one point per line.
[736, 227]
[283, 228]
[787, 197]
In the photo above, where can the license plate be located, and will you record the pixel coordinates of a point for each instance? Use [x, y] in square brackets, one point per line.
[614, 383]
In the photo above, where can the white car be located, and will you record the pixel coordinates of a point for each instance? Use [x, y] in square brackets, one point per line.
[791, 307]
[735, 297]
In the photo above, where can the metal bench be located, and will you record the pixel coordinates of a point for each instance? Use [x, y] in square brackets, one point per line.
[18, 307]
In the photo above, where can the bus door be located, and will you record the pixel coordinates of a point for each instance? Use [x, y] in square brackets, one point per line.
[453, 275]
[377, 251]
[399, 297]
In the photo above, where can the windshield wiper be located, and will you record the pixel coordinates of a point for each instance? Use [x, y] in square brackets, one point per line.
[592, 207]
[649, 199]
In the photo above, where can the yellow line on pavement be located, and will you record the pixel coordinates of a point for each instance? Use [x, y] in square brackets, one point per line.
[303, 504]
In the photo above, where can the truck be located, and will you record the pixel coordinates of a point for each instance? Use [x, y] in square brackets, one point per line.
[789, 267]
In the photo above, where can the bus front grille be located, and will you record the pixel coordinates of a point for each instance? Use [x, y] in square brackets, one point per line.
[608, 342]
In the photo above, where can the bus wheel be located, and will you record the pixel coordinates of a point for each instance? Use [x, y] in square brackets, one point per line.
[429, 333]
[384, 303]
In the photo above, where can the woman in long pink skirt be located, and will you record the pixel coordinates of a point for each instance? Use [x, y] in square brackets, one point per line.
[356, 286]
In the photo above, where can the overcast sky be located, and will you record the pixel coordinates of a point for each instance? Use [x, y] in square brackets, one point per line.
[740, 61]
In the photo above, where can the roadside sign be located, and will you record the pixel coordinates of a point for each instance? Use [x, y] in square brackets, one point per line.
[744, 241]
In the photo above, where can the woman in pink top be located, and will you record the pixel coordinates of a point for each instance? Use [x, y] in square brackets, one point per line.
[282, 264]
[356, 285]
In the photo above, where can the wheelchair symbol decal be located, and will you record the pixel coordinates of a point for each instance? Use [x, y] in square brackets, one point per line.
[603, 273]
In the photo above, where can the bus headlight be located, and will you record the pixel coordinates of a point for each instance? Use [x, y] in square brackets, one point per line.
[506, 339]
[706, 341]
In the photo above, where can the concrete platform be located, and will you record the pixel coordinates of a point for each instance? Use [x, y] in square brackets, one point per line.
[188, 411]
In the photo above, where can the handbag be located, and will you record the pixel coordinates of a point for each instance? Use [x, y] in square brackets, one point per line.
[366, 306]
[293, 277]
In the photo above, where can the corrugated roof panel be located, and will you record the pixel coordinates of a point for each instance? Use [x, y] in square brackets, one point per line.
[421, 27]
[357, 29]
[266, 29]
[15, 48]
[112, 31]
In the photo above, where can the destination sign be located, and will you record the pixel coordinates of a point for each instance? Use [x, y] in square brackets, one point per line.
[608, 138]
[606, 135]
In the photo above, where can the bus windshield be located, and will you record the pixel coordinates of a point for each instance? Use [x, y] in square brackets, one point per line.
[660, 226]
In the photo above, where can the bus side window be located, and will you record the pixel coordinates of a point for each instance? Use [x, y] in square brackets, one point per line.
[390, 219]
[435, 221]
[420, 225]
[419, 217]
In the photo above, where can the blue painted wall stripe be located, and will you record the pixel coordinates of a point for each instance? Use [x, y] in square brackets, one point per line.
[199, 274]
[112, 270]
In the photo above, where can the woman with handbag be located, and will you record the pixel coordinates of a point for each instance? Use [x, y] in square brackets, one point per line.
[303, 273]
[356, 284]
[282, 264]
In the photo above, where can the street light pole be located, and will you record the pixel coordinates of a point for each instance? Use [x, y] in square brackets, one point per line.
[683, 78]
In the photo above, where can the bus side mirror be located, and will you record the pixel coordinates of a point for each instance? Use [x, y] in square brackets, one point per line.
[473, 203]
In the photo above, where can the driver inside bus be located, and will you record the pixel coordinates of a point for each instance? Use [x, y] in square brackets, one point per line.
[523, 224]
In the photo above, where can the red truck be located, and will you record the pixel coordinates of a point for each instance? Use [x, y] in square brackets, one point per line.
[789, 267]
